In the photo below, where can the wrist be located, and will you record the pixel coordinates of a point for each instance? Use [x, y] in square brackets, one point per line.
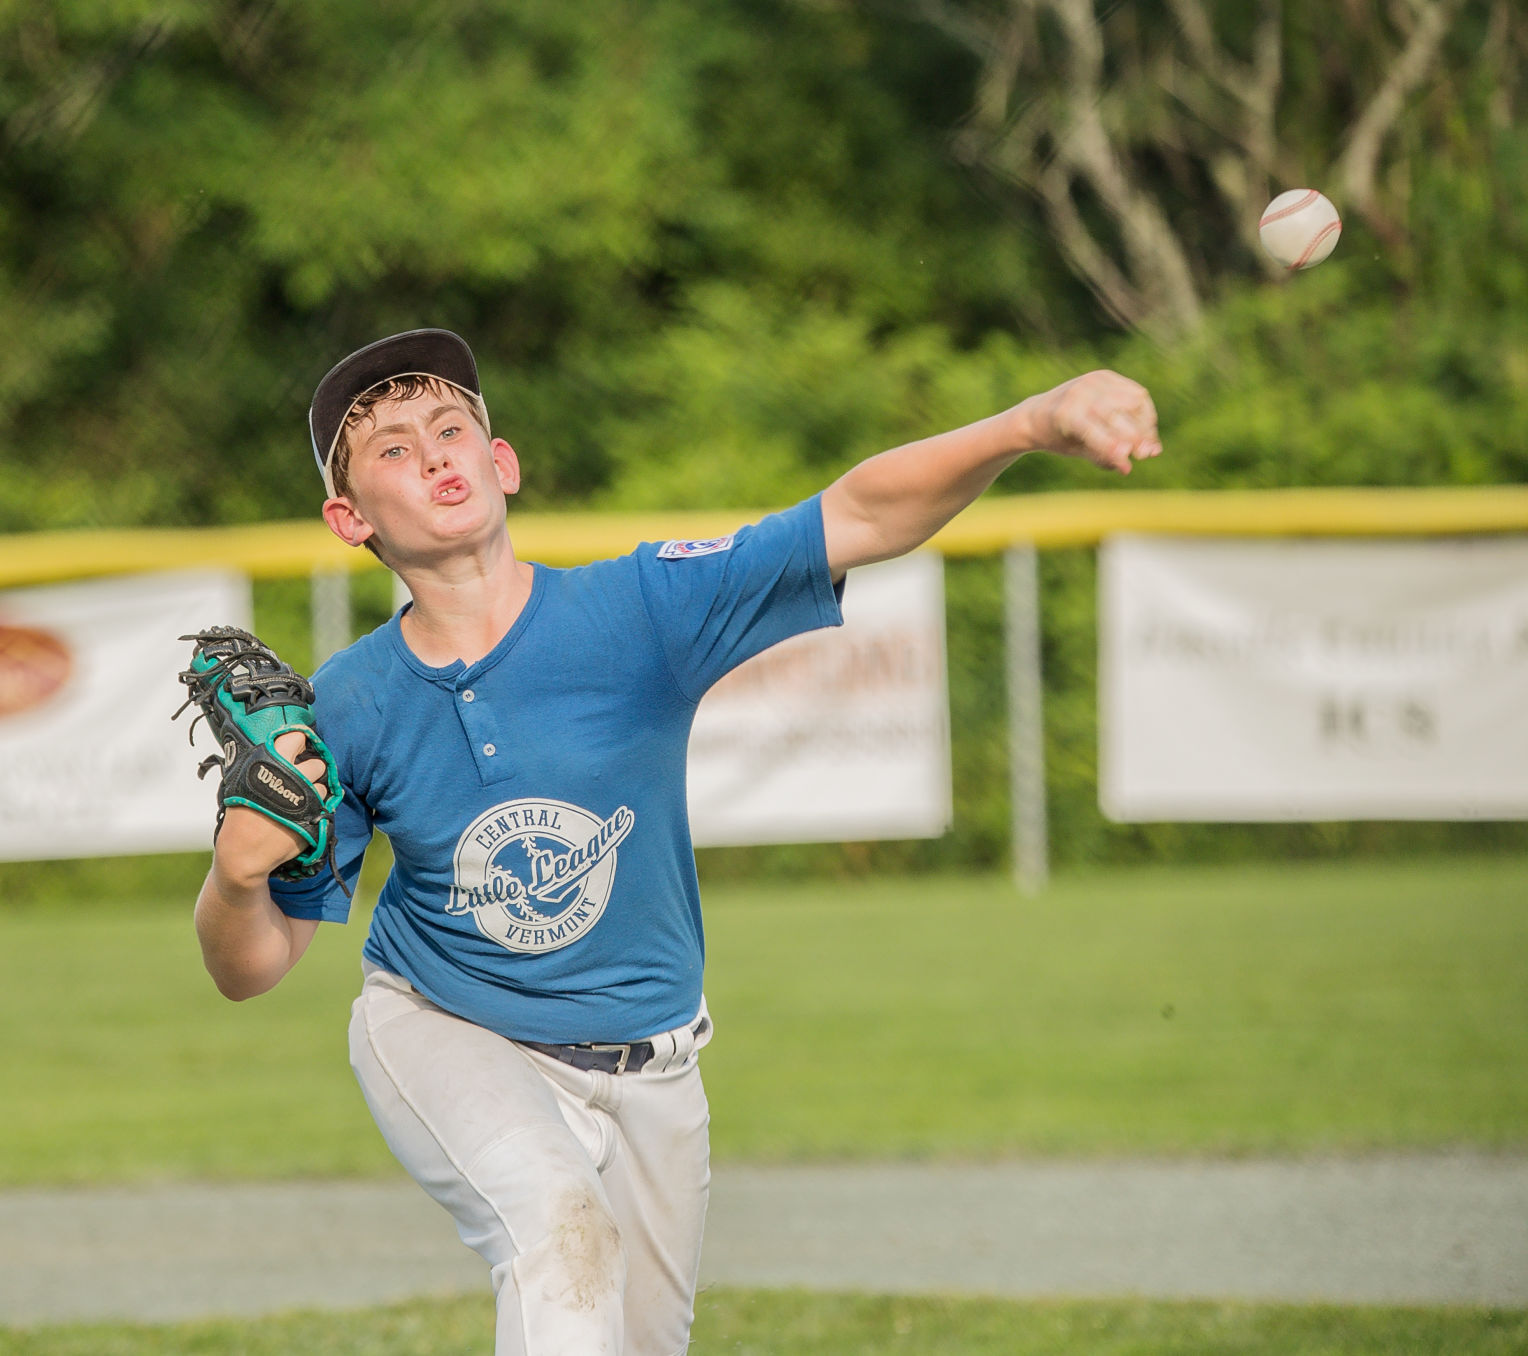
[1029, 425]
[239, 878]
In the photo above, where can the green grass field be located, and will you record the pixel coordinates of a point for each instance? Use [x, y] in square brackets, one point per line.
[795, 1323]
[1284, 1009]
[1292, 1010]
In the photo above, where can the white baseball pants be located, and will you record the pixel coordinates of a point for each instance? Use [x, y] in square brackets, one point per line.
[585, 1192]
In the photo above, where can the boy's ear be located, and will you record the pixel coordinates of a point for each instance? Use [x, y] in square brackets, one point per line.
[346, 522]
[508, 465]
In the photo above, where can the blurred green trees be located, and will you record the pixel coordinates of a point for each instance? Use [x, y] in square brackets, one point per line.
[206, 205]
[713, 251]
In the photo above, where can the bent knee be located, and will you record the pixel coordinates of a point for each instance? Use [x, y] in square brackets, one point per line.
[571, 1284]
[585, 1247]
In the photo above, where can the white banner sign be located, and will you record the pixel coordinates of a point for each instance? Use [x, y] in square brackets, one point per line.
[89, 762]
[835, 735]
[1309, 680]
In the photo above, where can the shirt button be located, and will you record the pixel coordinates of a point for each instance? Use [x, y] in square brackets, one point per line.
[469, 695]
[489, 750]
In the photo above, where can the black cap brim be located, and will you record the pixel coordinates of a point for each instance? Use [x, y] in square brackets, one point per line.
[428, 353]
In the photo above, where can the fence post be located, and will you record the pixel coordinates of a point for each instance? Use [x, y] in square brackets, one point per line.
[329, 594]
[1026, 723]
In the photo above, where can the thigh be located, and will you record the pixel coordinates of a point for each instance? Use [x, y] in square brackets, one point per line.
[471, 1118]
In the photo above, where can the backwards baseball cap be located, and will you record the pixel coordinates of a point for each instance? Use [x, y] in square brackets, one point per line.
[416, 353]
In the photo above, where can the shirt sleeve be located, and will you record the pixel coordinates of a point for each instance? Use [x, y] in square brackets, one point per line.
[715, 604]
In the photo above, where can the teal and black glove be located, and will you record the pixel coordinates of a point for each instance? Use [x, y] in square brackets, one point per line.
[249, 699]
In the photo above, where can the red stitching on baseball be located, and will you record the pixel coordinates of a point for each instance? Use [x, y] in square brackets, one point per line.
[1320, 235]
[1310, 196]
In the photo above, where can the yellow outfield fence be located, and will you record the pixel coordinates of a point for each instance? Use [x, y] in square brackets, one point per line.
[1015, 527]
[992, 525]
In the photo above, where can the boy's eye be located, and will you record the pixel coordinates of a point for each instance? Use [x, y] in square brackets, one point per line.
[395, 451]
[450, 432]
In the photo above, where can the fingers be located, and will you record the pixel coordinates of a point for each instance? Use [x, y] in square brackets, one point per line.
[1103, 444]
[1112, 419]
[290, 746]
[1114, 441]
[1149, 444]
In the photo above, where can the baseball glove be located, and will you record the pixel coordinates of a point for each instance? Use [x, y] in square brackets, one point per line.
[249, 698]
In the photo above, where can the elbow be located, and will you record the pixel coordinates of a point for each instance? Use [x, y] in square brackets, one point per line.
[241, 975]
[243, 961]
[238, 987]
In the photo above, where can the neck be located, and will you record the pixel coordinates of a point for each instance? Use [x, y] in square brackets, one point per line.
[464, 605]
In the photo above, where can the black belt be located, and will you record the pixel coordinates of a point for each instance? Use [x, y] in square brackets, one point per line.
[611, 1059]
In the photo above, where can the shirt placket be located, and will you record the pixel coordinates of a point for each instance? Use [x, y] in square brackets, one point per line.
[485, 739]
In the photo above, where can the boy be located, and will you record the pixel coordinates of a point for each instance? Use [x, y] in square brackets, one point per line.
[528, 1025]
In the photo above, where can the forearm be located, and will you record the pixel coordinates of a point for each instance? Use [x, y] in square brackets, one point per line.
[896, 501]
[248, 944]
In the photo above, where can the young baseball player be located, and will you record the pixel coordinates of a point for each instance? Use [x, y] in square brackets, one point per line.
[527, 1030]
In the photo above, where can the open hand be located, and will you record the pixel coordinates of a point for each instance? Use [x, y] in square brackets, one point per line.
[1100, 416]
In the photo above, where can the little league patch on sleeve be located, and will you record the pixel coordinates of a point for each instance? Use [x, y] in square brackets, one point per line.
[688, 550]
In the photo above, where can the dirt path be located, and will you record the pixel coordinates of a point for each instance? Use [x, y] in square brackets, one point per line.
[1397, 1229]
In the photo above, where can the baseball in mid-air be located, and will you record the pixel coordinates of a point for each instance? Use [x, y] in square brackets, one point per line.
[1300, 228]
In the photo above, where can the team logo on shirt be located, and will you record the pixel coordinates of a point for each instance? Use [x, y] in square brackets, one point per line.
[536, 874]
[688, 550]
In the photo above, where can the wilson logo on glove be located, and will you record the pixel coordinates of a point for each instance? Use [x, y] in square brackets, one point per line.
[278, 786]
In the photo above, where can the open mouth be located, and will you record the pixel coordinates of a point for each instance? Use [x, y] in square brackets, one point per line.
[449, 490]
